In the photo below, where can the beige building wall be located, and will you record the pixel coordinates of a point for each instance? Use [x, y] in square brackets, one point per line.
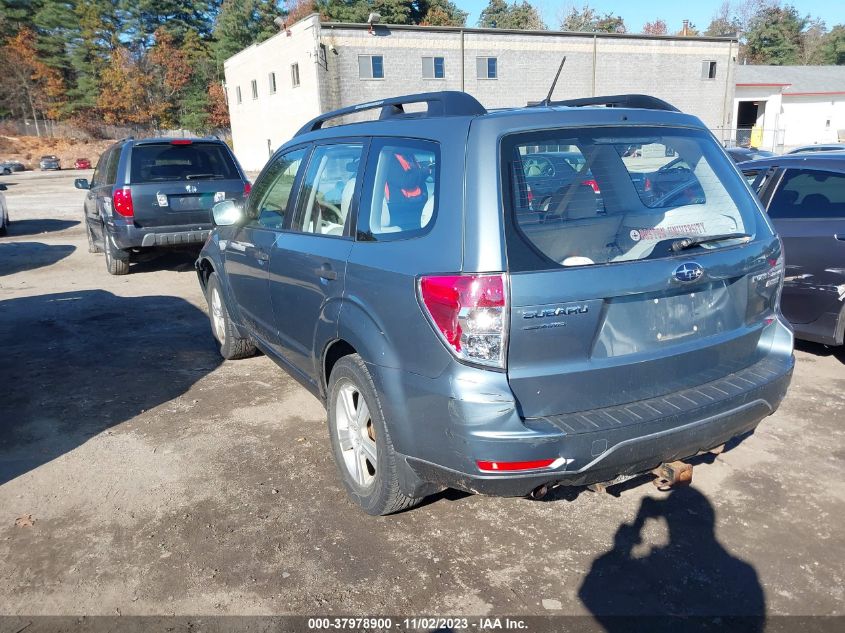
[667, 67]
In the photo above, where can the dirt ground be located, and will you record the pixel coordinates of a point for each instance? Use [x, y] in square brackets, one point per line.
[30, 149]
[159, 479]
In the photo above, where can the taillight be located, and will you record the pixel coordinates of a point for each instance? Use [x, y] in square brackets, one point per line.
[647, 185]
[469, 313]
[181, 141]
[122, 202]
[593, 184]
[247, 187]
[530, 196]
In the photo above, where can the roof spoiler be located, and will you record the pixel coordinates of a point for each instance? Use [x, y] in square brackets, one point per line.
[440, 104]
[640, 102]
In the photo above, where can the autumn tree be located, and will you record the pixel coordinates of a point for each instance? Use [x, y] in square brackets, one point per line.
[658, 27]
[123, 98]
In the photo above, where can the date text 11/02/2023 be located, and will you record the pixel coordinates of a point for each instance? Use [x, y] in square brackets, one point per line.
[422, 623]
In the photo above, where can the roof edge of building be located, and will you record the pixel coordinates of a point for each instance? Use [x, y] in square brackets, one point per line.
[474, 29]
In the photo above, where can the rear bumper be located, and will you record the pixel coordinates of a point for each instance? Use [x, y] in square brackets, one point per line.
[141, 237]
[596, 446]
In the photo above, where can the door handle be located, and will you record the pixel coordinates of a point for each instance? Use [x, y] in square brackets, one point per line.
[325, 272]
[262, 256]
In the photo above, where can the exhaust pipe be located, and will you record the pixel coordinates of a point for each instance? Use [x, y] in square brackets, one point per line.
[539, 492]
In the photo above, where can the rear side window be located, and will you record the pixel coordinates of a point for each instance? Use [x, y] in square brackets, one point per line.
[603, 195]
[400, 197]
[328, 189]
[809, 193]
[195, 161]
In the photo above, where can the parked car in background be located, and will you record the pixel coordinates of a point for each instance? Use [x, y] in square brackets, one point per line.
[50, 163]
[743, 154]
[822, 147]
[804, 195]
[4, 211]
[82, 163]
[459, 337]
[157, 192]
[10, 166]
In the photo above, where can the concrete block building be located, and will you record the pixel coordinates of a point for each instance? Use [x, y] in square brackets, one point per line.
[313, 67]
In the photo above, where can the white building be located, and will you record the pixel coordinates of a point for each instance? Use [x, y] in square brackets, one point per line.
[312, 67]
[792, 105]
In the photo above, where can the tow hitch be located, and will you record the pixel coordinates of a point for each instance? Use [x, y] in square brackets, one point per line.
[672, 474]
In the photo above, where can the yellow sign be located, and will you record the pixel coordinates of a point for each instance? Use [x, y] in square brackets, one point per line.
[756, 137]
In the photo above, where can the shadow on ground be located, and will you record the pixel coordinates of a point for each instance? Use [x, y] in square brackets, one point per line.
[77, 363]
[689, 575]
[16, 257]
[180, 261]
[817, 349]
[40, 225]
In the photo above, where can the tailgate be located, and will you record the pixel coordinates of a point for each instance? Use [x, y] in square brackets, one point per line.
[172, 203]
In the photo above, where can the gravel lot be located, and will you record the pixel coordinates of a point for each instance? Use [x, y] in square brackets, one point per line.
[162, 480]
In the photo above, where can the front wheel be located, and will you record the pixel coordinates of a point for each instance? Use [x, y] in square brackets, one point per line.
[360, 442]
[232, 347]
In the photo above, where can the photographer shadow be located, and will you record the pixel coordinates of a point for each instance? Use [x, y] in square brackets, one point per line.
[690, 580]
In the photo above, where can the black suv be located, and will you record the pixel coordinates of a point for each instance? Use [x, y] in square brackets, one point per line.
[157, 192]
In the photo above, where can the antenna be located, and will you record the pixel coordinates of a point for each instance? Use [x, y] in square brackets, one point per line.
[548, 98]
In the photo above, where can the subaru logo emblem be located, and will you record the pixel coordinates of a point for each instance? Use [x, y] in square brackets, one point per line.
[190, 188]
[688, 272]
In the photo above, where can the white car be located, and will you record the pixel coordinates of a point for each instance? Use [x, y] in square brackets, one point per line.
[4, 211]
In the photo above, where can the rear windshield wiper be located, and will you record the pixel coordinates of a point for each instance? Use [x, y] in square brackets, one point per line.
[198, 176]
[688, 242]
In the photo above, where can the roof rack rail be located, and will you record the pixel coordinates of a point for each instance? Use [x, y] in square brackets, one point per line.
[440, 104]
[642, 102]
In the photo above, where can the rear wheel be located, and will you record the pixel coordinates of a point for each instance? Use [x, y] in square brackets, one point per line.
[360, 442]
[92, 244]
[117, 260]
[232, 347]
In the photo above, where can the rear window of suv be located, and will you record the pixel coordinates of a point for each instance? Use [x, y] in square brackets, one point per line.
[604, 195]
[195, 161]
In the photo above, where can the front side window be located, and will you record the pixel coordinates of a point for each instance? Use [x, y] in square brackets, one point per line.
[270, 197]
[809, 193]
[400, 198]
[370, 66]
[328, 189]
[604, 195]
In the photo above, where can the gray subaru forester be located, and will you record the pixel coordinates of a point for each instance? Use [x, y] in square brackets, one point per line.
[500, 302]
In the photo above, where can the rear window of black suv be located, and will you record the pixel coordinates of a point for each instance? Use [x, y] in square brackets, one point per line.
[637, 191]
[161, 162]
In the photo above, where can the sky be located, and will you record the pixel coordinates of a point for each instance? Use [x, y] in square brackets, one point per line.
[673, 12]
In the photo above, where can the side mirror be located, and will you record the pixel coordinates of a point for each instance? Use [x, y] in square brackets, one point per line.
[227, 213]
[81, 183]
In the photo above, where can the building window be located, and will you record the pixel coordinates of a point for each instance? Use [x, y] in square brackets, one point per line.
[294, 75]
[238, 92]
[254, 85]
[433, 68]
[708, 70]
[370, 67]
[271, 80]
[487, 67]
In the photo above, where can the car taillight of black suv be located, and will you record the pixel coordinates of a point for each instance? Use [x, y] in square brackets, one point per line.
[157, 192]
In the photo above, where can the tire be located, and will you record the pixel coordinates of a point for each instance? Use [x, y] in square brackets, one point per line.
[7, 172]
[3, 225]
[232, 346]
[117, 260]
[373, 486]
[92, 245]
